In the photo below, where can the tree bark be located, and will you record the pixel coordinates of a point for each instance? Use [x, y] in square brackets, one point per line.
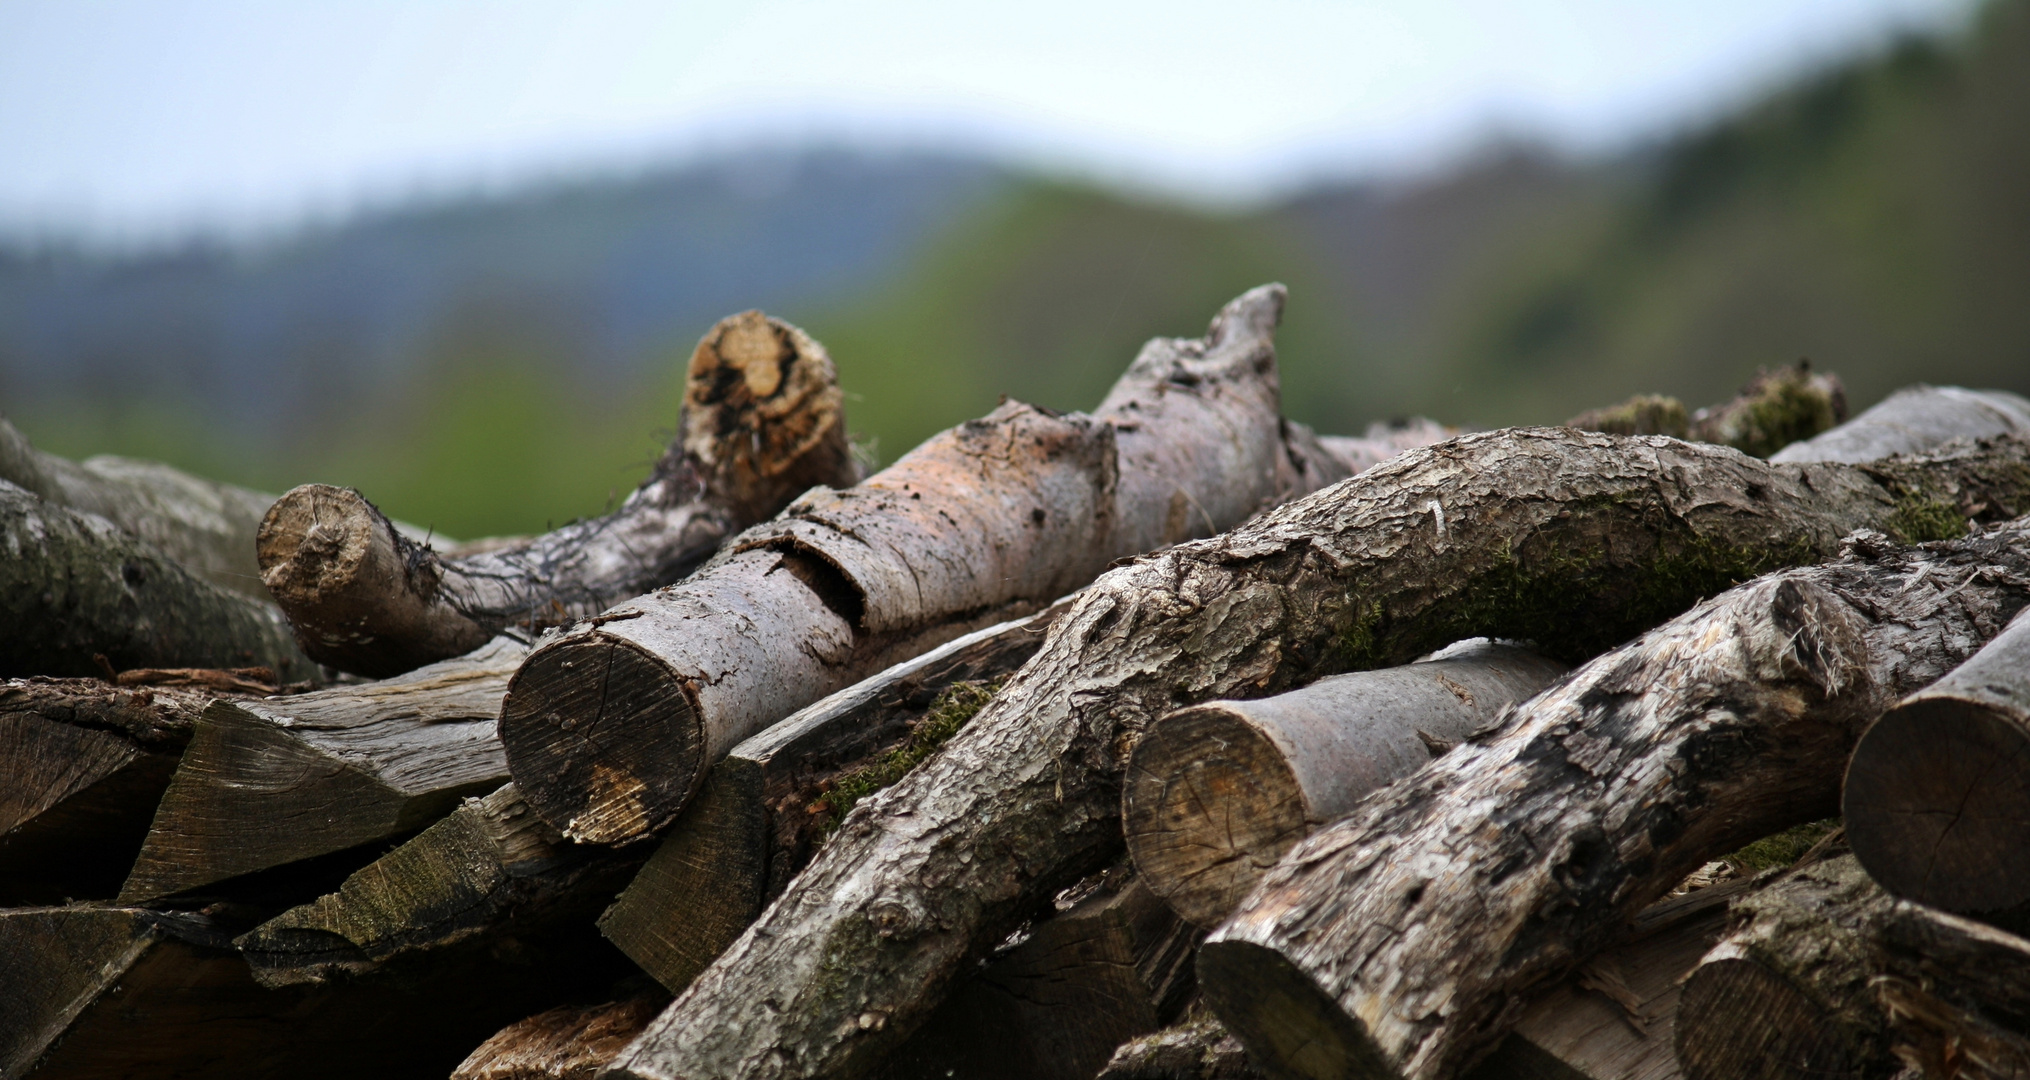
[85, 764]
[565, 1043]
[1785, 994]
[490, 873]
[1775, 409]
[1216, 793]
[268, 783]
[1574, 541]
[1937, 798]
[1915, 420]
[1196, 1049]
[74, 587]
[1384, 441]
[990, 520]
[759, 819]
[1953, 991]
[1511, 859]
[762, 421]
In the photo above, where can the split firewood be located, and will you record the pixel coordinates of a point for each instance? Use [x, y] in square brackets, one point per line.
[268, 783]
[461, 892]
[1775, 409]
[78, 594]
[1571, 540]
[1216, 793]
[1916, 420]
[1197, 1048]
[767, 806]
[1953, 991]
[1384, 441]
[1053, 1002]
[1512, 859]
[85, 765]
[1937, 799]
[610, 728]
[762, 422]
[564, 1043]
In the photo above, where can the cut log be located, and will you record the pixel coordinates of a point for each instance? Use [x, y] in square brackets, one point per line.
[1054, 1002]
[565, 1043]
[268, 783]
[1953, 991]
[1511, 859]
[1937, 798]
[1384, 441]
[1574, 541]
[762, 813]
[1775, 409]
[1196, 1049]
[1915, 420]
[489, 874]
[75, 588]
[1216, 793]
[990, 520]
[85, 765]
[762, 422]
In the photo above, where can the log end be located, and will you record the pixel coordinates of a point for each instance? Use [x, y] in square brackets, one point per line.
[1935, 790]
[1210, 804]
[764, 418]
[602, 738]
[1287, 1023]
[1739, 1020]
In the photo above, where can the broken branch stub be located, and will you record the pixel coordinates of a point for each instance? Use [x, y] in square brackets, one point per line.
[762, 422]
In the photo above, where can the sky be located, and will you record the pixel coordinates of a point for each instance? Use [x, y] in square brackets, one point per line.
[130, 120]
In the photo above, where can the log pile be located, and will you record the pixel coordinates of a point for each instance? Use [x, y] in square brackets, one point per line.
[1170, 741]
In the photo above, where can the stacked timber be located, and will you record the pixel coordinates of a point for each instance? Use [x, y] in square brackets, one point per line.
[1170, 740]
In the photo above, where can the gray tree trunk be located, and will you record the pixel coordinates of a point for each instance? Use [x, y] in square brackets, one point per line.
[762, 422]
[74, 587]
[1915, 420]
[610, 729]
[268, 783]
[1216, 793]
[1514, 857]
[1574, 541]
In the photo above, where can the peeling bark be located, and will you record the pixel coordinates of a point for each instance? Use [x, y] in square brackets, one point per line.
[565, 1043]
[1400, 941]
[762, 422]
[268, 783]
[1574, 541]
[609, 729]
[1216, 793]
[1916, 420]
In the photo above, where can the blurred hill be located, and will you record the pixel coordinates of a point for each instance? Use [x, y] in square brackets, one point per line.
[486, 367]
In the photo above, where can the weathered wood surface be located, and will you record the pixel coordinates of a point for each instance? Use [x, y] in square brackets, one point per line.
[759, 818]
[565, 1043]
[1775, 409]
[610, 728]
[1359, 453]
[1937, 797]
[1572, 540]
[268, 783]
[490, 873]
[74, 587]
[1197, 1048]
[85, 763]
[1057, 1000]
[1216, 793]
[1915, 420]
[1954, 992]
[762, 422]
[1511, 859]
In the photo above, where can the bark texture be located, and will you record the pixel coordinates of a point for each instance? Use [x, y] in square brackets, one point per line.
[74, 587]
[1775, 409]
[762, 422]
[1786, 993]
[1196, 1049]
[762, 814]
[1937, 799]
[269, 783]
[1510, 860]
[609, 729]
[1916, 420]
[85, 763]
[565, 1043]
[1216, 793]
[1953, 991]
[1572, 540]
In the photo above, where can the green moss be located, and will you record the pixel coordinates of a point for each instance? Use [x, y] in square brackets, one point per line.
[1918, 520]
[957, 704]
[1643, 414]
[1782, 849]
[1788, 409]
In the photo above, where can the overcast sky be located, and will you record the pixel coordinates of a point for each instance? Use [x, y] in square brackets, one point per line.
[133, 118]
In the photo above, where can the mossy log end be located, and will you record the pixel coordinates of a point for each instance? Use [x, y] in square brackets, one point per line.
[1775, 409]
[762, 813]
[1937, 799]
[763, 420]
[1577, 541]
[610, 728]
[74, 588]
[86, 763]
[1516, 856]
